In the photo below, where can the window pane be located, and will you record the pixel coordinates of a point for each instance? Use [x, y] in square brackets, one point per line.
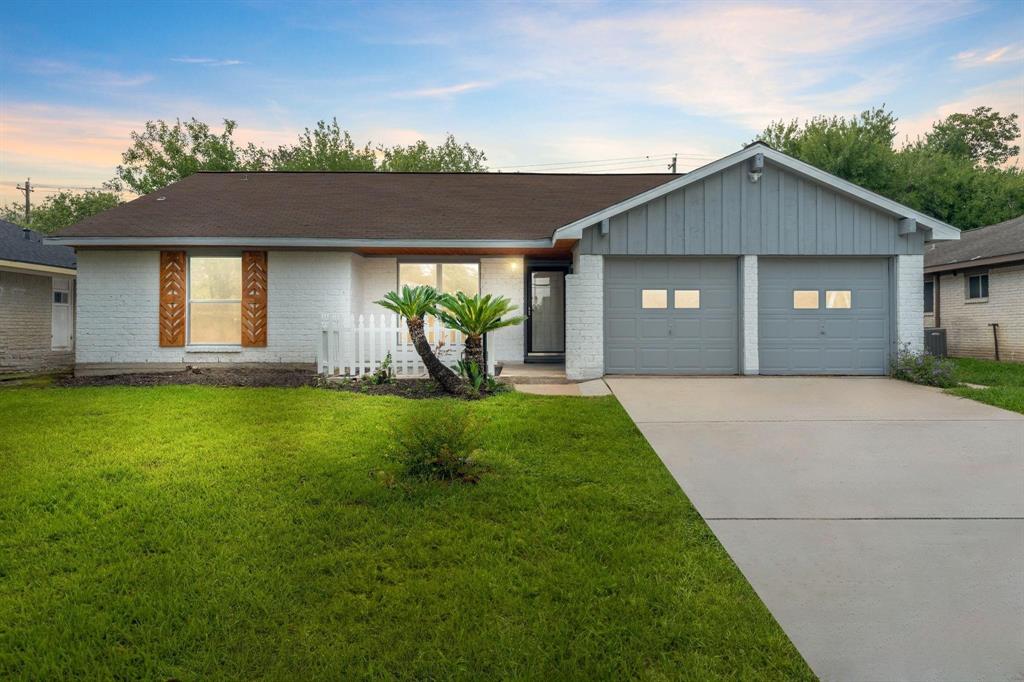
[687, 298]
[929, 297]
[838, 299]
[215, 323]
[215, 279]
[417, 275]
[974, 287]
[805, 299]
[984, 286]
[654, 298]
[464, 277]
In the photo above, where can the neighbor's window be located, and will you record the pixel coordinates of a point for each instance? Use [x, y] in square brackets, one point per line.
[977, 286]
[838, 299]
[654, 299]
[929, 297]
[805, 299]
[215, 300]
[687, 298]
[447, 278]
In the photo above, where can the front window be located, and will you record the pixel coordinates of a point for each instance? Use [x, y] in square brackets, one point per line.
[448, 278]
[977, 287]
[215, 300]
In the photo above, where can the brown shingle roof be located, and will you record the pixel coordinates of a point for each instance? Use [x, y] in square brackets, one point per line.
[1002, 239]
[490, 206]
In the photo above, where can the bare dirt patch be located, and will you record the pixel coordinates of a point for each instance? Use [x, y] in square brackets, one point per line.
[255, 378]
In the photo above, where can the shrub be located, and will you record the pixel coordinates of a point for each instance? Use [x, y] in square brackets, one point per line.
[923, 368]
[437, 442]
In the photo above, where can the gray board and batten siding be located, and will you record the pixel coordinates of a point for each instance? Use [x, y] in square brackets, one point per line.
[727, 214]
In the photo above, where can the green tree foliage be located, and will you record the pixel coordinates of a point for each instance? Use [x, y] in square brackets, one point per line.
[61, 209]
[476, 316]
[448, 157]
[164, 153]
[983, 136]
[167, 152]
[951, 173]
[325, 147]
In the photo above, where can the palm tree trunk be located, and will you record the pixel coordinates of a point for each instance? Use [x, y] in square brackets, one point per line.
[475, 352]
[437, 370]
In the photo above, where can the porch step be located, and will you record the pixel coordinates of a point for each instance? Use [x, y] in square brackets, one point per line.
[533, 374]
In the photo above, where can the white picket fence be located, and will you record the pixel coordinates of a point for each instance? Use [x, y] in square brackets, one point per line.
[353, 345]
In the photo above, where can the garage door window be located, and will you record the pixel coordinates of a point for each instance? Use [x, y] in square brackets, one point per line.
[805, 299]
[687, 298]
[654, 299]
[839, 299]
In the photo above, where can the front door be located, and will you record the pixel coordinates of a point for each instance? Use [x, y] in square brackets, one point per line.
[545, 312]
[62, 321]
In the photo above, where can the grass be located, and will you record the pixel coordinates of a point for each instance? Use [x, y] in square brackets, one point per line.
[194, 532]
[1004, 382]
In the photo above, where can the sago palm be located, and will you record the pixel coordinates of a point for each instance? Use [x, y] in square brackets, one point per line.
[475, 316]
[415, 304]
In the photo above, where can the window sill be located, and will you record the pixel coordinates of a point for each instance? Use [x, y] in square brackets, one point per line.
[213, 349]
[975, 300]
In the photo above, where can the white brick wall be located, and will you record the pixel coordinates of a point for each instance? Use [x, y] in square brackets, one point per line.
[910, 302]
[748, 314]
[118, 293]
[504, 277]
[378, 276]
[584, 319]
[968, 333]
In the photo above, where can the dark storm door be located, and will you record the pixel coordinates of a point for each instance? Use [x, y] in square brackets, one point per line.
[545, 311]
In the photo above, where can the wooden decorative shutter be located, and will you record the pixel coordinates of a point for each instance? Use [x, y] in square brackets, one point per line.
[254, 298]
[172, 298]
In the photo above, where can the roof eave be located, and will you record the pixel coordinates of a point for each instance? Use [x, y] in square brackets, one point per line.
[300, 242]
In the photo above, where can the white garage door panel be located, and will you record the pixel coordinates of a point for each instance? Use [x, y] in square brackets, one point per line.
[672, 340]
[824, 340]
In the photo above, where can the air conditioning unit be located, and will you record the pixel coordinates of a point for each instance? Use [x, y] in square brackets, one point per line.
[935, 341]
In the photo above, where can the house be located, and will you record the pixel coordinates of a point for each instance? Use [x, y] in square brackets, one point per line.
[974, 289]
[755, 263]
[37, 290]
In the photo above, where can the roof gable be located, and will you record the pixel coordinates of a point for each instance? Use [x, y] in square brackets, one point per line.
[939, 229]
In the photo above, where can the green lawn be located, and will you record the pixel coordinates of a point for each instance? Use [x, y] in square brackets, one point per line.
[1005, 382]
[193, 533]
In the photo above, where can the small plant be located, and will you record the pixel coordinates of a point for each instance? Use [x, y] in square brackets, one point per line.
[470, 371]
[383, 374]
[437, 442]
[923, 368]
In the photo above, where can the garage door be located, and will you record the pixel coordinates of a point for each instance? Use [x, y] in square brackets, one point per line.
[671, 316]
[823, 315]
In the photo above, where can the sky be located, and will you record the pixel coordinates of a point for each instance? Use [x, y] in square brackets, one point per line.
[574, 86]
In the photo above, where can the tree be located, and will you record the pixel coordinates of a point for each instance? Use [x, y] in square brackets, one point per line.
[59, 210]
[951, 174]
[325, 147]
[164, 153]
[475, 316]
[983, 136]
[858, 149]
[415, 304]
[447, 157]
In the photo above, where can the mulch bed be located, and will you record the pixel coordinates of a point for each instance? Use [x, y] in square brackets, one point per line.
[255, 378]
[404, 388]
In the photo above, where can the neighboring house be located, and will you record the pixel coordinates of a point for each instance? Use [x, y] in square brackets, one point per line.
[974, 289]
[756, 263]
[37, 313]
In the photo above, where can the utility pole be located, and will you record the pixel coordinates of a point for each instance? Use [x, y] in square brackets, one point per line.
[672, 166]
[27, 189]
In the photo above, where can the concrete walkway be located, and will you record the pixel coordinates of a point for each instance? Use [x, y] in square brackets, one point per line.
[882, 523]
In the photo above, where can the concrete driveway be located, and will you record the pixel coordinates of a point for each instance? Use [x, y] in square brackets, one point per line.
[881, 522]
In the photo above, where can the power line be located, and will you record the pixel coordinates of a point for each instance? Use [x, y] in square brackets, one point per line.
[554, 167]
[573, 163]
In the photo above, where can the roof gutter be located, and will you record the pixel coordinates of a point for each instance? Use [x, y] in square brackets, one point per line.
[304, 242]
[976, 263]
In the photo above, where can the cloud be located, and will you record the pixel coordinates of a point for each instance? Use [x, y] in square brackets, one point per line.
[76, 74]
[1001, 55]
[207, 61]
[743, 62]
[445, 91]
